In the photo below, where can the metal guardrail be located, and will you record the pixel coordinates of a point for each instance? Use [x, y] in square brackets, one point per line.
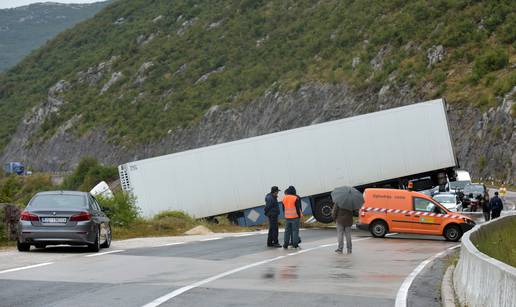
[480, 280]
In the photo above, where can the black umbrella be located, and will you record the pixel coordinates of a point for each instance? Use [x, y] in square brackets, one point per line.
[347, 198]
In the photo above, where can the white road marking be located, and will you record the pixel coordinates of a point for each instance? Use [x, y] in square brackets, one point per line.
[105, 253]
[244, 235]
[26, 267]
[401, 296]
[171, 295]
[210, 239]
[170, 244]
[391, 234]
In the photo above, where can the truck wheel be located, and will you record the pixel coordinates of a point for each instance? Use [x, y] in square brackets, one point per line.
[378, 229]
[22, 247]
[452, 233]
[322, 210]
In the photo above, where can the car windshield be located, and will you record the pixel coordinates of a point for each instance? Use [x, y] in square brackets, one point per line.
[458, 184]
[445, 198]
[58, 201]
[478, 189]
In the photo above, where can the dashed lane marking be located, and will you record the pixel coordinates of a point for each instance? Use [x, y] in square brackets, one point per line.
[210, 239]
[105, 253]
[170, 244]
[26, 267]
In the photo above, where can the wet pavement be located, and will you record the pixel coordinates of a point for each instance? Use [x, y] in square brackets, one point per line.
[219, 271]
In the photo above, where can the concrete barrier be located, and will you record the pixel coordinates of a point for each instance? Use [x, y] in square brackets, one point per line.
[480, 280]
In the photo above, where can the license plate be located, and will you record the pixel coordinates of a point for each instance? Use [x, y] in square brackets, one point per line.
[54, 220]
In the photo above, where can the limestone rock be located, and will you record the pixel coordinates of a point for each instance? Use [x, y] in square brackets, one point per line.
[198, 230]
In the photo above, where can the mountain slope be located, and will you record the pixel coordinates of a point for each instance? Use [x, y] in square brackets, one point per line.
[151, 77]
[25, 28]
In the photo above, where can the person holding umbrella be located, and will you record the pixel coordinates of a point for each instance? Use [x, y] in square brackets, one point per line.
[345, 200]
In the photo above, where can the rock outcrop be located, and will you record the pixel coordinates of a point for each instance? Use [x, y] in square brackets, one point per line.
[484, 142]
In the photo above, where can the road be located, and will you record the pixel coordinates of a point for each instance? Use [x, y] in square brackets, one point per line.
[224, 270]
[217, 270]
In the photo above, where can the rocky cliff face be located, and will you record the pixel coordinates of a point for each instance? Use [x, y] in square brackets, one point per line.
[484, 141]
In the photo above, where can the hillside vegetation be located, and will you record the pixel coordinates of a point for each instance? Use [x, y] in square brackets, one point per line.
[143, 68]
[26, 28]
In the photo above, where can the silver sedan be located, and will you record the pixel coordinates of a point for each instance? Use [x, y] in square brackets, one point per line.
[63, 217]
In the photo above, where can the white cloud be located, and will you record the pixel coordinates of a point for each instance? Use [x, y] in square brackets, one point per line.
[15, 3]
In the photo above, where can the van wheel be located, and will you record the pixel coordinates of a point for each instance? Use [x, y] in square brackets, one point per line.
[452, 233]
[322, 210]
[379, 229]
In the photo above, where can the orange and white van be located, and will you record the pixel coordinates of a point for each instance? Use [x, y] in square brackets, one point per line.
[402, 211]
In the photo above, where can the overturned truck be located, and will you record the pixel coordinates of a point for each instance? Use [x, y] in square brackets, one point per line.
[381, 149]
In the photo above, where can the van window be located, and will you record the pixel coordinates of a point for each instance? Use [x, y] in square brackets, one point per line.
[425, 205]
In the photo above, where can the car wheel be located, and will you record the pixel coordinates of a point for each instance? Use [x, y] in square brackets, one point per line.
[379, 229]
[107, 243]
[322, 210]
[23, 247]
[95, 247]
[452, 233]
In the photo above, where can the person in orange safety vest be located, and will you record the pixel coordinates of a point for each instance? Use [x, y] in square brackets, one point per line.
[292, 213]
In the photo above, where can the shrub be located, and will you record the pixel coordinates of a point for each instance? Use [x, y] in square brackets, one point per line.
[173, 214]
[490, 60]
[121, 209]
[89, 173]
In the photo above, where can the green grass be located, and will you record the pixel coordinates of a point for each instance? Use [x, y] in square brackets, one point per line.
[302, 41]
[499, 242]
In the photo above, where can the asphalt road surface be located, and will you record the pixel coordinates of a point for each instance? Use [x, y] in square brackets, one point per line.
[217, 270]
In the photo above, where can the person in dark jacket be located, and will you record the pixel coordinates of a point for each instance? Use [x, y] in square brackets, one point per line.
[272, 212]
[486, 209]
[293, 212]
[343, 219]
[496, 206]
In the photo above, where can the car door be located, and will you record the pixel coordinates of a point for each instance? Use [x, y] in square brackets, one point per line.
[428, 216]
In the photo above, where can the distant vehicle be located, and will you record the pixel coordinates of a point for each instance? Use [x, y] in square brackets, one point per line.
[463, 178]
[390, 210]
[63, 217]
[477, 189]
[381, 149]
[14, 168]
[449, 201]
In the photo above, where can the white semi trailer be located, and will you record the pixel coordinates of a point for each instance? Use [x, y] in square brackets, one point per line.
[381, 149]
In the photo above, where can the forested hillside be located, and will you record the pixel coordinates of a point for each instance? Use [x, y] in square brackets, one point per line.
[26, 28]
[147, 77]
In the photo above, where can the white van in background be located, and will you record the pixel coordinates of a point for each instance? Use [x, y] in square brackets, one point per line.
[463, 178]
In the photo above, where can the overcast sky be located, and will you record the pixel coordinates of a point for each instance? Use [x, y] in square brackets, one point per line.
[14, 3]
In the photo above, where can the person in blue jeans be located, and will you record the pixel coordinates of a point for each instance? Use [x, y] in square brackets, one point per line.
[292, 213]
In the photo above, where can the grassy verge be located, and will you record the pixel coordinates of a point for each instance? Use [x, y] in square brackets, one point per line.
[174, 223]
[500, 243]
